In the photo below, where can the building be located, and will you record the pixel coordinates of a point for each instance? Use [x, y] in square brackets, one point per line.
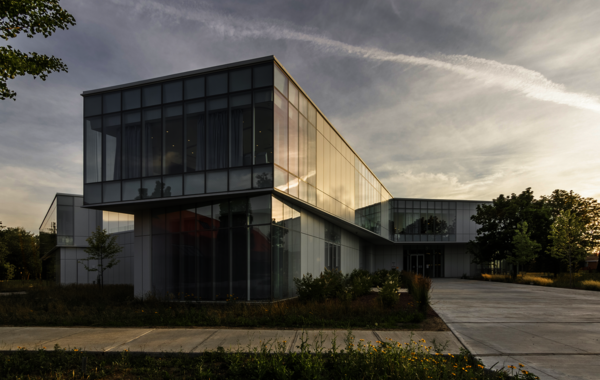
[63, 235]
[239, 183]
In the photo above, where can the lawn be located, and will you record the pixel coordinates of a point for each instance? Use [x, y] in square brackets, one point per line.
[47, 304]
[355, 360]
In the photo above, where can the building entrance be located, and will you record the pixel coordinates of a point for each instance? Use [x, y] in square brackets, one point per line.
[417, 264]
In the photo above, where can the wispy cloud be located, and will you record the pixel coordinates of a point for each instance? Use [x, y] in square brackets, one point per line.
[530, 83]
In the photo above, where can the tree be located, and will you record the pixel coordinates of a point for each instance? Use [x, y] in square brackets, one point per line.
[525, 249]
[23, 252]
[102, 247]
[30, 17]
[568, 236]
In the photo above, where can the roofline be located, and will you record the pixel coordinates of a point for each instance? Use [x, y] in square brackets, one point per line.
[268, 58]
[53, 199]
[439, 200]
[331, 124]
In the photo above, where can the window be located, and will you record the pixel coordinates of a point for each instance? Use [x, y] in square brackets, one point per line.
[195, 137]
[217, 140]
[93, 149]
[332, 256]
[132, 145]
[241, 130]
[112, 147]
[240, 80]
[173, 138]
[263, 127]
[152, 142]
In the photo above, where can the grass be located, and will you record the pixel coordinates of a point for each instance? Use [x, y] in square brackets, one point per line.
[115, 306]
[346, 360]
[581, 280]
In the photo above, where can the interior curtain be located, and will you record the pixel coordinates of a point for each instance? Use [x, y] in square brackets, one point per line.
[132, 155]
[237, 137]
[217, 140]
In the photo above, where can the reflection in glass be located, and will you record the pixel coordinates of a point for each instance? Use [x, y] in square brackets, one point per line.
[194, 136]
[303, 193]
[293, 140]
[241, 130]
[260, 262]
[131, 190]
[172, 92]
[92, 105]
[92, 193]
[263, 76]
[281, 81]
[151, 188]
[111, 102]
[132, 145]
[262, 177]
[112, 147]
[173, 186]
[194, 88]
[239, 263]
[173, 137]
[293, 186]
[216, 84]
[240, 80]
[259, 209]
[93, 149]
[312, 158]
[131, 99]
[217, 155]
[303, 148]
[112, 192]
[151, 95]
[240, 179]
[263, 127]
[151, 142]
[216, 181]
[293, 98]
[303, 104]
[281, 131]
[194, 183]
[281, 179]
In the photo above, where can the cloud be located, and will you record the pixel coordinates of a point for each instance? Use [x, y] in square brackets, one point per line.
[487, 72]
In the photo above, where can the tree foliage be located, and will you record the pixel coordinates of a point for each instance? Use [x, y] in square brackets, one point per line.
[29, 17]
[20, 253]
[525, 249]
[102, 250]
[568, 236]
[501, 235]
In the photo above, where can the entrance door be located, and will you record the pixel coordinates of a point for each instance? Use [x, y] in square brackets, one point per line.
[417, 264]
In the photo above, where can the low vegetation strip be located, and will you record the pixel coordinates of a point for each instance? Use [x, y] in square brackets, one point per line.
[588, 281]
[115, 306]
[349, 359]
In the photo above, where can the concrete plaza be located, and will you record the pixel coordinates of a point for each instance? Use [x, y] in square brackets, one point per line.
[554, 332]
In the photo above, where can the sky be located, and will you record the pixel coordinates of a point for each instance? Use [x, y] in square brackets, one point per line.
[460, 99]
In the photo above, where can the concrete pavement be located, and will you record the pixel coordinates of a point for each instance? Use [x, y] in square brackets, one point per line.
[197, 340]
[554, 332]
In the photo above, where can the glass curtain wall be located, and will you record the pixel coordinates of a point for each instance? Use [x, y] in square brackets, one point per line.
[286, 248]
[422, 220]
[314, 163]
[182, 137]
[213, 251]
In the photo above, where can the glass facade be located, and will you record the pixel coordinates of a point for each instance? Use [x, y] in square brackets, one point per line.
[412, 220]
[426, 260]
[154, 141]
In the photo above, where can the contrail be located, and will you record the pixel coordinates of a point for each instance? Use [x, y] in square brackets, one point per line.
[490, 73]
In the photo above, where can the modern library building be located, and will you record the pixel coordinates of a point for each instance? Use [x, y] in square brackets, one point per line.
[238, 183]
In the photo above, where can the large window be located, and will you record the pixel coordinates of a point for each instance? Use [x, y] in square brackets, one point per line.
[423, 220]
[166, 133]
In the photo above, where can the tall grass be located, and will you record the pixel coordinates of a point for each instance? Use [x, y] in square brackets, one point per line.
[419, 287]
[535, 280]
[496, 277]
[347, 359]
[591, 284]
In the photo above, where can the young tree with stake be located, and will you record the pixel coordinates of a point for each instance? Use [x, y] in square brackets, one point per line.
[102, 247]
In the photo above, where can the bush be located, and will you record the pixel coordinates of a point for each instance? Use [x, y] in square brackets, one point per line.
[378, 277]
[591, 284]
[389, 293]
[360, 281]
[333, 284]
[310, 289]
[419, 287]
[535, 280]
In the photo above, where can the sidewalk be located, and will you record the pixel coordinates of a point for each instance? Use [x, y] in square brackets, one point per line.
[198, 340]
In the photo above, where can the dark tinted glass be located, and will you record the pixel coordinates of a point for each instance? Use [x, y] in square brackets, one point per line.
[173, 219]
[239, 212]
[93, 149]
[152, 142]
[173, 138]
[151, 96]
[173, 186]
[194, 88]
[241, 130]
[216, 84]
[260, 263]
[172, 92]
[217, 134]
[239, 263]
[259, 209]
[92, 194]
[205, 219]
[281, 81]
[195, 137]
[131, 99]
[221, 214]
[111, 102]
[240, 80]
[216, 181]
[131, 190]
[111, 192]
[66, 201]
[263, 127]
[132, 145]
[151, 188]
[158, 266]
[194, 183]
[112, 147]
[240, 179]
[222, 263]
[92, 105]
[262, 177]
[159, 220]
[263, 76]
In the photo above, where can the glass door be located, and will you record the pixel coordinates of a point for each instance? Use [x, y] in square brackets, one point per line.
[417, 264]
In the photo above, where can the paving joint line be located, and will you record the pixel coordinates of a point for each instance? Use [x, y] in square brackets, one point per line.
[129, 341]
[205, 339]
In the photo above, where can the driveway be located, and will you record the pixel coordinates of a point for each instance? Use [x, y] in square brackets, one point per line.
[554, 332]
